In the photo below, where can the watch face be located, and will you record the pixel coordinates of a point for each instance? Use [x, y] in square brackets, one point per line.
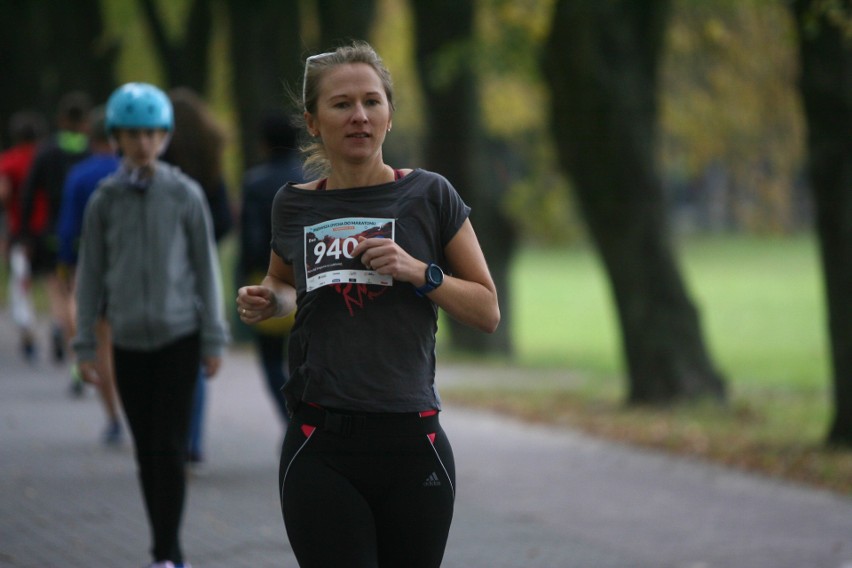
[435, 275]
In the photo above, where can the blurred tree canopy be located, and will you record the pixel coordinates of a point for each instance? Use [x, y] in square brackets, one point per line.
[731, 121]
[731, 137]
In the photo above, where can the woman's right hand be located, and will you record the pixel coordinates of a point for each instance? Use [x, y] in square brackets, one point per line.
[256, 303]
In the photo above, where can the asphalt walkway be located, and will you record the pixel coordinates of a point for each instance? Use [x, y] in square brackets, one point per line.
[528, 496]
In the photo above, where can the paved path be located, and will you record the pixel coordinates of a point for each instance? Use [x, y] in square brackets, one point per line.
[529, 496]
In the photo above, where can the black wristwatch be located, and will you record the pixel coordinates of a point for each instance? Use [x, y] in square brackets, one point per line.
[434, 278]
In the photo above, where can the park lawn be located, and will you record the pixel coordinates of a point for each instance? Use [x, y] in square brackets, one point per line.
[760, 302]
[761, 305]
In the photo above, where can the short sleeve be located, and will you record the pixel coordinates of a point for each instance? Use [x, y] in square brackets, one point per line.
[454, 211]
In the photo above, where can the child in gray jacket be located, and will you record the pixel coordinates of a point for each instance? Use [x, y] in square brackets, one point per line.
[148, 262]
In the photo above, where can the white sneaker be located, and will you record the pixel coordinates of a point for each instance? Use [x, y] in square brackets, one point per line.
[166, 564]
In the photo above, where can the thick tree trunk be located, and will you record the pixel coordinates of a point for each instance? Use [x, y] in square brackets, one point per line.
[826, 76]
[185, 60]
[79, 53]
[453, 146]
[342, 21]
[22, 58]
[266, 63]
[601, 63]
[48, 49]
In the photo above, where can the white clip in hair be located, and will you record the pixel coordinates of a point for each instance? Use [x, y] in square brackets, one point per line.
[305, 79]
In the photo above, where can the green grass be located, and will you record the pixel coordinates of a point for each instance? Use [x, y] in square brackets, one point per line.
[761, 304]
[561, 311]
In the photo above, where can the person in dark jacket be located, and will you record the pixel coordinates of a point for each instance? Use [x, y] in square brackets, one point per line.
[41, 197]
[281, 163]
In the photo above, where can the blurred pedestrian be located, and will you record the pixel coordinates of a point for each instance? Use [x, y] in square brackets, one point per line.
[81, 181]
[281, 163]
[41, 198]
[197, 148]
[147, 250]
[366, 475]
[27, 129]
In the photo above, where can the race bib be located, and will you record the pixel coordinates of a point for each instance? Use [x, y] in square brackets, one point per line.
[329, 246]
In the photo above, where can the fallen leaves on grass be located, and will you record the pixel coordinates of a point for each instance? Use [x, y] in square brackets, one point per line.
[740, 435]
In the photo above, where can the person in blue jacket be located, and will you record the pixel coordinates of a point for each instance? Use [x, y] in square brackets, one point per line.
[80, 183]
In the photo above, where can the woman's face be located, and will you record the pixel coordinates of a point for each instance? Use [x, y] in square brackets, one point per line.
[353, 114]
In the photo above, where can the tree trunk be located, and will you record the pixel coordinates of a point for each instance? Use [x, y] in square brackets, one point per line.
[22, 57]
[185, 60]
[826, 75]
[453, 146]
[266, 64]
[48, 49]
[342, 21]
[79, 53]
[601, 63]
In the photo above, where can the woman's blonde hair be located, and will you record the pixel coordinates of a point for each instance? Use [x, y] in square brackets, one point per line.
[316, 66]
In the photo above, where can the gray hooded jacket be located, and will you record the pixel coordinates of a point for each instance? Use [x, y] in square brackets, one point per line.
[149, 262]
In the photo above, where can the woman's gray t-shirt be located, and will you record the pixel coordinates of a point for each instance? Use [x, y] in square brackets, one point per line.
[356, 345]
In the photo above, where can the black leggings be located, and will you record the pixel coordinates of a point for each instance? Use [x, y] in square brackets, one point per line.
[367, 497]
[156, 389]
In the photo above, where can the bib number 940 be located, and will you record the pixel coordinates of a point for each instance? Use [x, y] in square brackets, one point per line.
[337, 248]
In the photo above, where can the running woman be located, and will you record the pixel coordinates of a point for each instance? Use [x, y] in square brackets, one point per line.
[366, 255]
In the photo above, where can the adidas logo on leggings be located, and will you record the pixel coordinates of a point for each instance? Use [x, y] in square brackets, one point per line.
[432, 481]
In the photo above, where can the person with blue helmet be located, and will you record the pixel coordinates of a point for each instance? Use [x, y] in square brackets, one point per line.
[139, 105]
[148, 263]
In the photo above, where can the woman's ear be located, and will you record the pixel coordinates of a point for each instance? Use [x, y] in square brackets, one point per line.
[310, 124]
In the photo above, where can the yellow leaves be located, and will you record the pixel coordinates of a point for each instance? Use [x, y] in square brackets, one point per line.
[728, 96]
[715, 32]
[511, 105]
[531, 16]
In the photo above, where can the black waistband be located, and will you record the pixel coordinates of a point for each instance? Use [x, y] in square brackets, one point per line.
[353, 424]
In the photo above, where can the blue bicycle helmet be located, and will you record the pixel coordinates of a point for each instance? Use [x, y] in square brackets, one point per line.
[139, 105]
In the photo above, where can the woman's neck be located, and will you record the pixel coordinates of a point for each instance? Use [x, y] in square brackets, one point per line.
[344, 176]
